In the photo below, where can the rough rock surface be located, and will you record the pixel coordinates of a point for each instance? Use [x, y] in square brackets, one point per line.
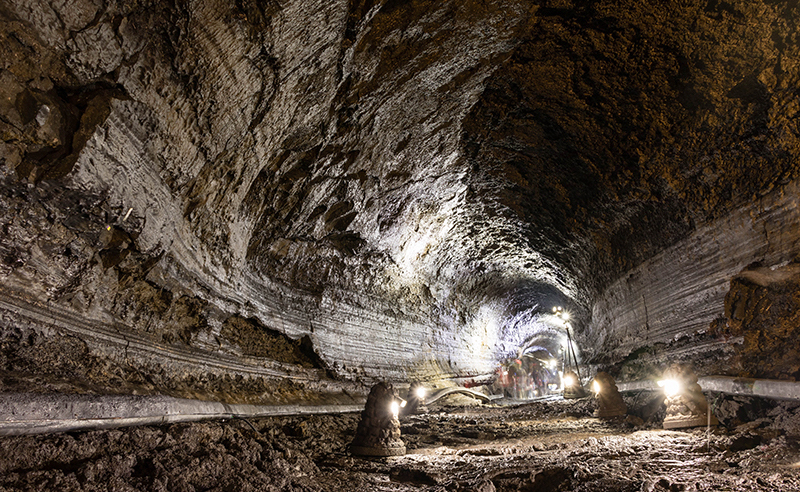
[761, 307]
[281, 193]
[540, 446]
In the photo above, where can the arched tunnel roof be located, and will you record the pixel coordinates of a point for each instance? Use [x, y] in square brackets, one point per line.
[385, 189]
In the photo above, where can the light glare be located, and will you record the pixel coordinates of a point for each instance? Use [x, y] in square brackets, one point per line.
[395, 408]
[671, 387]
[570, 380]
[421, 392]
[596, 387]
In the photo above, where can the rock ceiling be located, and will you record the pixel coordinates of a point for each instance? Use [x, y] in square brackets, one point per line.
[206, 190]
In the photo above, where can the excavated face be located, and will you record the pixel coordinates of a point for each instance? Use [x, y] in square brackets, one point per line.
[287, 190]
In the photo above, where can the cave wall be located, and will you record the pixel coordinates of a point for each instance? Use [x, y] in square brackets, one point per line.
[654, 147]
[680, 294]
[169, 166]
[616, 130]
[402, 189]
[761, 311]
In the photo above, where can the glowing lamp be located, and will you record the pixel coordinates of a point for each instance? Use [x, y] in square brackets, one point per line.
[415, 400]
[572, 386]
[395, 406]
[596, 387]
[671, 386]
[565, 316]
[686, 404]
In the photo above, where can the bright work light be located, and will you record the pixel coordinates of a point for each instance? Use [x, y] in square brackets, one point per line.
[671, 387]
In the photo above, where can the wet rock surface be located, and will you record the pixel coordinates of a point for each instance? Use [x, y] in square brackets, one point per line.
[553, 445]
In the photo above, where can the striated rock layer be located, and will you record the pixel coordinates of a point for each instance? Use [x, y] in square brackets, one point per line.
[679, 294]
[203, 195]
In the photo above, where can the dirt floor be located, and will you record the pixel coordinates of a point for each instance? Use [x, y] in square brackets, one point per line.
[457, 446]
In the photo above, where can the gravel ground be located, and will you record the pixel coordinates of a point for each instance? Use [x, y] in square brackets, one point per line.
[457, 446]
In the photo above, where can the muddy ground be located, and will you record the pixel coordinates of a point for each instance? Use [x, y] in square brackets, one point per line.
[457, 446]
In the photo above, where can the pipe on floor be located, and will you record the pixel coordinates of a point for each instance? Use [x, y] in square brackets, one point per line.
[457, 389]
[32, 413]
[28, 413]
[766, 388]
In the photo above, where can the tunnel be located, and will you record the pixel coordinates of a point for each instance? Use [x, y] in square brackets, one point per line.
[226, 226]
